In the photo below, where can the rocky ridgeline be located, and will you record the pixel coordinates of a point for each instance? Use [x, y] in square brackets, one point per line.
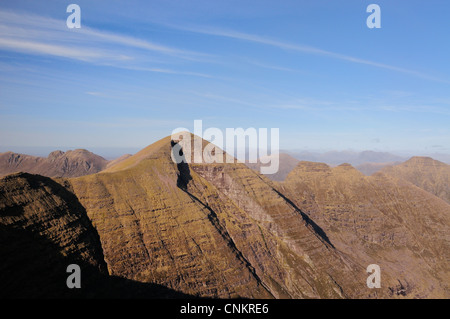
[146, 226]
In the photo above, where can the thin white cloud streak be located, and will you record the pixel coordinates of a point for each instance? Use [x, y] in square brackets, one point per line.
[361, 107]
[167, 71]
[302, 48]
[274, 67]
[31, 34]
[8, 121]
[55, 50]
[319, 106]
[416, 109]
[32, 26]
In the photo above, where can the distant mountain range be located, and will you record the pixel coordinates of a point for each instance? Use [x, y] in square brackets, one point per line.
[350, 157]
[286, 164]
[74, 163]
[368, 162]
[146, 226]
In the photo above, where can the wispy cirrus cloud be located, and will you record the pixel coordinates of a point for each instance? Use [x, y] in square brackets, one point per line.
[273, 67]
[38, 35]
[303, 49]
[25, 46]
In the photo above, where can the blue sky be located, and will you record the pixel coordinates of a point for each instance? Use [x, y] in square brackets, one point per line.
[136, 70]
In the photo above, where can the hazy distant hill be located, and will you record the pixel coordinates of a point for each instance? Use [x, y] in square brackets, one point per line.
[424, 172]
[286, 164]
[58, 164]
[371, 168]
[351, 157]
[363, 161]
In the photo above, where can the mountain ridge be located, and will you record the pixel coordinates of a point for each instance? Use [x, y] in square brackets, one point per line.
[434, 176]
[370, 217]
[58, 163]
[226, 231]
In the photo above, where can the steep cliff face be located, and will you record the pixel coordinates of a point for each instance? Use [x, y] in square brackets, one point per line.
[154, 231]
[43, 229]
[211, 229]
[289, 252]
[424, 172]
[58, 164]
[379, 220]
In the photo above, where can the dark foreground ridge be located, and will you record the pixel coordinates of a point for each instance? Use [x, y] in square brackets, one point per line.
[35, 257]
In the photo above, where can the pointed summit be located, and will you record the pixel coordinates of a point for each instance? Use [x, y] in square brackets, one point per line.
[194, 149]
[211, 229]
[160, 148]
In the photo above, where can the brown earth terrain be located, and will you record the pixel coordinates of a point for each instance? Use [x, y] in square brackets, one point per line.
[150, 227]
[380, 220]
[424, 172]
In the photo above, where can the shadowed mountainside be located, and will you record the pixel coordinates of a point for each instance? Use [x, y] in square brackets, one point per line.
[43, 229]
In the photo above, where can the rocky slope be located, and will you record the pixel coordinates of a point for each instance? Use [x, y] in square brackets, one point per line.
[58, 164]
[43, 229]
[379, 220]
[147, 226]
[217, 230]
[426, 173]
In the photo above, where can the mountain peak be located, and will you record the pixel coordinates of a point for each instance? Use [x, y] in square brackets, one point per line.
[55, 154]
[423, 160]
[163, 149]
[158, 148]
[346, 166]
[307, 166]
[424, 172]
